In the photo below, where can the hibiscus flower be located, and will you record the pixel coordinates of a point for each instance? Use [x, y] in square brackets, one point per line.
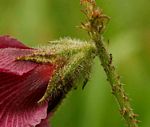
[34, 81]
[22, 84]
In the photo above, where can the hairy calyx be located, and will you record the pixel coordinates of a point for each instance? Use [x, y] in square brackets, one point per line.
[73, 60]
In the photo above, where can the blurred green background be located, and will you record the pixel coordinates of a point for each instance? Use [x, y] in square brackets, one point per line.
[37, 21]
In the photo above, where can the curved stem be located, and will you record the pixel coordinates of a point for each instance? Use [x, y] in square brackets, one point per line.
[95, 26]
[116, 85]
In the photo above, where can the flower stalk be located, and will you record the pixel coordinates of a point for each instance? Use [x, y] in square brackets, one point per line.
[95, 26]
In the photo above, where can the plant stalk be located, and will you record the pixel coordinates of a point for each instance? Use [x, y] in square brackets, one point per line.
[95, 25]
[116, 85]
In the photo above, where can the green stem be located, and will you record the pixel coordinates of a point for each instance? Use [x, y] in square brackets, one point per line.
[95, 26]
[116, 85]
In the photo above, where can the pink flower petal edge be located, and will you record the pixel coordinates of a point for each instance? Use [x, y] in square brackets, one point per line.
[22, 84]
[44, 123]
[6, 42]
[9, 63]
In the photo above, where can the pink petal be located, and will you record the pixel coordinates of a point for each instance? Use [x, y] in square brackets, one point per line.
[9, 64]
[7, 42]
[44, 123]
[19, 96]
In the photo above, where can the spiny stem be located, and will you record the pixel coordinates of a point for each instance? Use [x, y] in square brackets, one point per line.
[95, 26]
[116, 85]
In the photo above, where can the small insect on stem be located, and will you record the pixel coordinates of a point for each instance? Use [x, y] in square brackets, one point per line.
[95, 26]
[84, 83]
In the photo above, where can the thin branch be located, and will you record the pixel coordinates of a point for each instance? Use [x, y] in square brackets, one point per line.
[95, 26]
